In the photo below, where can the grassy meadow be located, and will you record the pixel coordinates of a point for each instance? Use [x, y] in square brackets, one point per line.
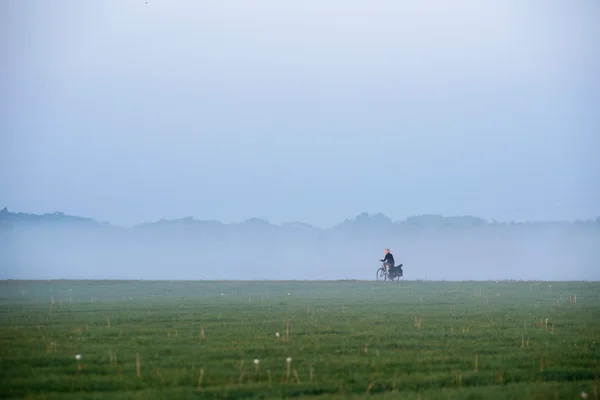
[326, 340]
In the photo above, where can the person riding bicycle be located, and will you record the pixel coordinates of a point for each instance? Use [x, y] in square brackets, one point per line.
[388, 263]
[388, 260]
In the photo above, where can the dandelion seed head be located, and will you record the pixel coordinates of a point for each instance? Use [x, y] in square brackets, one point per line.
[288, 360]
[78, 356]
[256, 361]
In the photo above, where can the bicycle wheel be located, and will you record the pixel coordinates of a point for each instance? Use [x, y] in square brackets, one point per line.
[381, 275]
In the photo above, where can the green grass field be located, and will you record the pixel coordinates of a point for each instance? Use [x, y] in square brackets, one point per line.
[427, 340]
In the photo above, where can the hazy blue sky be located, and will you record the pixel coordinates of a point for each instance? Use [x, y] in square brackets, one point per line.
[130, 111]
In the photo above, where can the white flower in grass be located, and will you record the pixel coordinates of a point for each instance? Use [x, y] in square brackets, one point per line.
[256, 361]
[78, 356]
[276, 334]
[288, 360]
[584, 395]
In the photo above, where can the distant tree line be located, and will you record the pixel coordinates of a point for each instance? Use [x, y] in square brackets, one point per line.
[364, 222]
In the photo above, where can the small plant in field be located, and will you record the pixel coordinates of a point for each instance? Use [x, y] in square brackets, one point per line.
[522, 340]
[79, 367]
[113, 358]
[162, 380]
[289, 365]
[417, 322]
[368, 391]
[51, 347]
[457, 378]
[200, 378]
[138, 366]
[241, 371]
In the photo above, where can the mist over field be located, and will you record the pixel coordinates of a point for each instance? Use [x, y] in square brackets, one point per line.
[57, 246]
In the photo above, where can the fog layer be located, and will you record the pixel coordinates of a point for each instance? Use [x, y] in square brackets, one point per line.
[56, 246]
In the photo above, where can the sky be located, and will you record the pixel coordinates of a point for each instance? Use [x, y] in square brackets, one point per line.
[131, 111]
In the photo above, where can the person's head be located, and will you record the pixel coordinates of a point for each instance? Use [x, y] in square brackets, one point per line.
[387, 251]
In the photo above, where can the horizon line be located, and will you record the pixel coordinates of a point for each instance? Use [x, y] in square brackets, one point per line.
[294, 280]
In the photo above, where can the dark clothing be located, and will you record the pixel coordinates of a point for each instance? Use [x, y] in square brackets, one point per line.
[388, 260]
